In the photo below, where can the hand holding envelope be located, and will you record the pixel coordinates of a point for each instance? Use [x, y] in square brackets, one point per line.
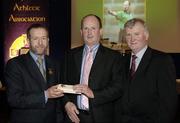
[54, 92]
[67, 89]
[84, 89]
[77, 89]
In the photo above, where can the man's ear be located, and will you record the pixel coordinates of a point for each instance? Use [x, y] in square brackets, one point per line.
[101, 31]
[147, 37]
[81, 32]
[146, 33]
[28, 41]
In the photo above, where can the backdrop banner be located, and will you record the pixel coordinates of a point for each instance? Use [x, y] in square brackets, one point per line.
[18, 16]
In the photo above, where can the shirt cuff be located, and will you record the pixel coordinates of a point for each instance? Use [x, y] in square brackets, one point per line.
[46, 97]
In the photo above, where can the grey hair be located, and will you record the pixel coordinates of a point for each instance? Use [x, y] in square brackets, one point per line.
[131, 23]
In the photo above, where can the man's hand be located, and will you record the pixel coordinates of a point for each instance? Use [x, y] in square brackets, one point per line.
[84, 89]
[54, 92]
[72, 112]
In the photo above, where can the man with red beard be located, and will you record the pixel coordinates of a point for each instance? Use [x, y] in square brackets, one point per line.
[31, 81]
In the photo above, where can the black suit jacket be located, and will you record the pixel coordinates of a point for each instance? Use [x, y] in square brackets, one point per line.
[25, 90]
[150, 97]
[104, 80]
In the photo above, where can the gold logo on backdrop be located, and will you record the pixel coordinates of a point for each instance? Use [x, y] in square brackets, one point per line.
[20, 42]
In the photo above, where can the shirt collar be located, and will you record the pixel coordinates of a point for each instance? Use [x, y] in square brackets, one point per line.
[93, 48]
[34, 56]
[141, 52]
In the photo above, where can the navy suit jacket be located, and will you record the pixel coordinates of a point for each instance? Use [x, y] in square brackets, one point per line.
[25, 90]
[150, 97]
[105, 81]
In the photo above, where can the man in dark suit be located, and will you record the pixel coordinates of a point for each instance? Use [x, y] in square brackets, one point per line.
[103, 80]
[31, 85]
[150, 90]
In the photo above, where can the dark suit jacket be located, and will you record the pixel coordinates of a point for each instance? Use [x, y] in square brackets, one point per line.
[25, 90]
[104, 80]
[150, 97]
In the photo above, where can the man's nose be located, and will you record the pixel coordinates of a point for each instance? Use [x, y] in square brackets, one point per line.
[40, 41]
[89, 31]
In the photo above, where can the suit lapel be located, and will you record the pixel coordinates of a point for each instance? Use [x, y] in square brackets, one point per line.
[50, 72]
[98, 58]
[127, 65]
[144, 62]
[78, 59]
[34, 70]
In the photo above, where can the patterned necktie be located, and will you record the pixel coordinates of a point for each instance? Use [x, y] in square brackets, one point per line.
[133, 66]
[41, 68]
[87, 67]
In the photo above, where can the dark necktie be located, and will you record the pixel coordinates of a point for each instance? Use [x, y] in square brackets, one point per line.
[133, 66]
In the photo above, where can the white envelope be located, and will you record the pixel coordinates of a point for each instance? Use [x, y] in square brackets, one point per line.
[67, 88]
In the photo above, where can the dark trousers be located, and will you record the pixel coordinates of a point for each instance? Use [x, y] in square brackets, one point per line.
[85, 117]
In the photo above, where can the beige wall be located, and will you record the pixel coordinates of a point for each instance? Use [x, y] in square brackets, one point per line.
[163, 19]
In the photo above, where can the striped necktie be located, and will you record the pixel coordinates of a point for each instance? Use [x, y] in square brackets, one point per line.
[133, 66]
[41, 68]
[86, 70]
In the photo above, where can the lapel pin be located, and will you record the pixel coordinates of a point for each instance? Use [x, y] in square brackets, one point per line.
[50, 71]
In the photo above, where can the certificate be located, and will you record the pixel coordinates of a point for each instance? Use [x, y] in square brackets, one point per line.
[67, 89]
